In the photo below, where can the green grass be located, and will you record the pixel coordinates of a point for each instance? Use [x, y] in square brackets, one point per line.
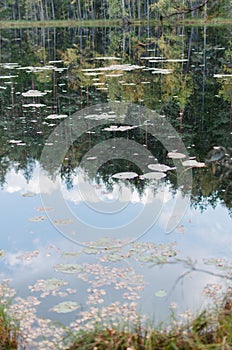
[206, 331]
[111, 23]
[8, 330]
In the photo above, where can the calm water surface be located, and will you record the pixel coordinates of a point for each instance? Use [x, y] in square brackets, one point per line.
[55, 214]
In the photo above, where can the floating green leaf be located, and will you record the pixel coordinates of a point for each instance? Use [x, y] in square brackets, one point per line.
[161, 293]
[63, 221]
[90, 251]
[68, 268]
[114, 257]
[65, 307]
[70, 254]
[125, 175]
[193, 163]
[176, 155]
[153, 176]
[29, 194]
[53, 284]
[37, 218]
[160, 167]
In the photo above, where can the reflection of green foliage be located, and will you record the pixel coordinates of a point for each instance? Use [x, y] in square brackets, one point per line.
[205, 110]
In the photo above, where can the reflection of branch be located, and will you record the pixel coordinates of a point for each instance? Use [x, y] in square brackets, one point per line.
[183, 11]
[192, 268]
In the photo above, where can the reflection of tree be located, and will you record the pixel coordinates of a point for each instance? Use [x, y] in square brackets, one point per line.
[175, 95]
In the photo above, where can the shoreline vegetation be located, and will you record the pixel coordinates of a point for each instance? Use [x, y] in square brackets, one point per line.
[111, 23]
[209, 329]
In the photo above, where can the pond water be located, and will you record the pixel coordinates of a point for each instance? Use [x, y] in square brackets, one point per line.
[116, 171]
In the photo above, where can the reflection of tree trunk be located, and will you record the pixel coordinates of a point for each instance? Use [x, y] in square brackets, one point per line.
[133, 9]
[181, 119]
[41, 11]
[139, 9]
[79, 9]
[204, 80]
[230, 115]
[189, 48]
[123, 8]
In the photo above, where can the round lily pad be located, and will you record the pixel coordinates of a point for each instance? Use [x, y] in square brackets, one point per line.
[161, 293]
[153, 176]
[65, 307]
[125, 175]
[176, 155]
[37, 218]
[63, 221]
[159, 167]
[193, 163]
[68, 268]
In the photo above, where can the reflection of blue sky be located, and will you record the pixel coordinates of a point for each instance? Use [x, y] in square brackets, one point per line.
[201, 236]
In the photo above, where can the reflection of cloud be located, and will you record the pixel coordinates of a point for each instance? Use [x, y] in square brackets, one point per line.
[16, 182]
[85, 190]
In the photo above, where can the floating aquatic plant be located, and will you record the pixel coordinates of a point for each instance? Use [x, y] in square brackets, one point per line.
[193, 163]
[152, 176]
[65, 307]
[68, 268]
[119, 128]
[161, 293]
[176, 155]
[125, 175]
[29, 194]
[160, 167]
[34, 105]
[56, 116]
[33, 93]
[37, 218]
[63, 221]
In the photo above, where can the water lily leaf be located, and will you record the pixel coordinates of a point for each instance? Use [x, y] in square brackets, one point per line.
[37, 218]
[63, 221]
[70, 254]
[125, 175]
[160, 167]
[114, 257]
[41, 209]
[220, 263]
[161, 293]
[161, 71]
[29, 194]
[114, 75]
[114, 67]
[90, 251]
[34, 105]
[52, 284]
[107, 58]
[119, 128]
[222, 75]
[56, 116]
[68, 268]
[153, 176]
[176, 155]
[33, 93]
[193, 163]
[15, 141]
[65, 307]
[144, 258]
